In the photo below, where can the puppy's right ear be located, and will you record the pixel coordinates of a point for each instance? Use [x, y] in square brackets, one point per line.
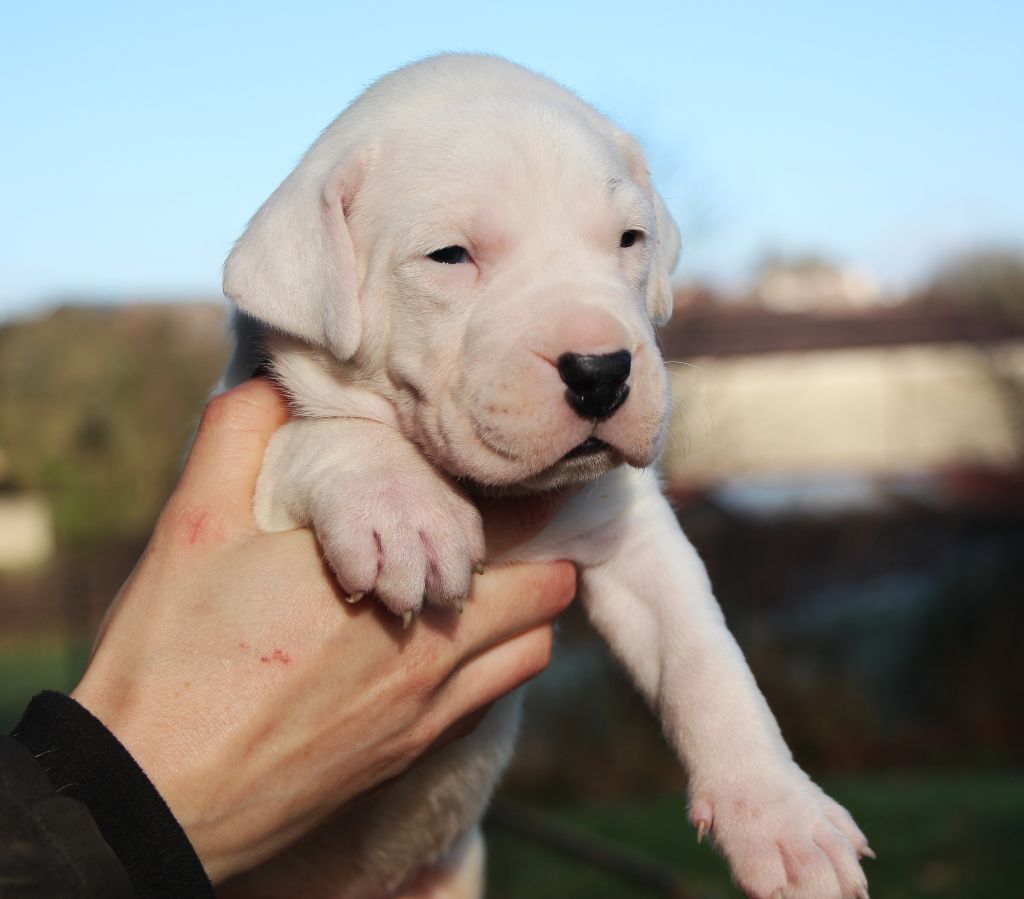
[294, 267]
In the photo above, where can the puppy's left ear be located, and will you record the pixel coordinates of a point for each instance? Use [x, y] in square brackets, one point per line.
[666, 238]
[294, 268]
[659, 285]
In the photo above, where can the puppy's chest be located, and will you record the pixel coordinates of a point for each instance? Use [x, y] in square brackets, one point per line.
[594, 523]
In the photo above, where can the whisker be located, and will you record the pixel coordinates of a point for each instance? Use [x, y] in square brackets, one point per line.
[701, 406]
[685, 413]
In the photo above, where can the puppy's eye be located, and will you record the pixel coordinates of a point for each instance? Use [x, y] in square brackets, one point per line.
[629, 238]
[450, 255]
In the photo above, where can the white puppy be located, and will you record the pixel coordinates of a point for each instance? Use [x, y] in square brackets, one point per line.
[457, 286]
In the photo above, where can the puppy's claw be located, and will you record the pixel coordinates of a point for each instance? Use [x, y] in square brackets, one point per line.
[353, 598]
[478, 567]
[406, 620]
[868, 852]
[702, 828]
[457, 605]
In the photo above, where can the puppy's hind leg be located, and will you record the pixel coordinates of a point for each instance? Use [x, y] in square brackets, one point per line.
[457, 875]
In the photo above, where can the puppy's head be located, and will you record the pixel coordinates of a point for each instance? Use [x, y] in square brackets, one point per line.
[483, 251]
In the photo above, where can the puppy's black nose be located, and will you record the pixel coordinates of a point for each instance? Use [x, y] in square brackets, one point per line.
[596, 384]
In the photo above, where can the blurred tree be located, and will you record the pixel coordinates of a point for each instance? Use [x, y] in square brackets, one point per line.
[988, 280]
[97, 406]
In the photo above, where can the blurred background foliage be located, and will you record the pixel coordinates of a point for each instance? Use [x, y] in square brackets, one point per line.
[98, 404]
[988, 280]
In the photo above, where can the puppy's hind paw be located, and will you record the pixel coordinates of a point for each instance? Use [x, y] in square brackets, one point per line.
[784, 838]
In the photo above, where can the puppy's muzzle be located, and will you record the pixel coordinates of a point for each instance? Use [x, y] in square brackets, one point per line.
[596, 384]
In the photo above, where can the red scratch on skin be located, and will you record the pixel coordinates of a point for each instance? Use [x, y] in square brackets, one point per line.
[195, 527]
[278, 655]
[243, 645]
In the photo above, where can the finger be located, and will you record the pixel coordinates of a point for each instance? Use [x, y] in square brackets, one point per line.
[487, 677]
[461, 728]
[227, 454]
[511, 521]
[508, 600]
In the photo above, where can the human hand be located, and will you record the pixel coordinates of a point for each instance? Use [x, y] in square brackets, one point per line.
[257, 701]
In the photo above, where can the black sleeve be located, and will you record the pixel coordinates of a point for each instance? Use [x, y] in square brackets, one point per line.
[49, 844]
[86, 765]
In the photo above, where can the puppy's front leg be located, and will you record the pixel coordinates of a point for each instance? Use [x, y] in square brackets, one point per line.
[387, 521]
[651, 600]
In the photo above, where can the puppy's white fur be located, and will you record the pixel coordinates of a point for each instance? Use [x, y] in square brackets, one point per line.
[418, 383]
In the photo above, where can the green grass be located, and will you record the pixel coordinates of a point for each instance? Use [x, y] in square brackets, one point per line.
[31, 664]
[954, 836]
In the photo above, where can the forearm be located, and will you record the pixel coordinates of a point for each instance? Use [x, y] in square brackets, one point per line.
[653, 605]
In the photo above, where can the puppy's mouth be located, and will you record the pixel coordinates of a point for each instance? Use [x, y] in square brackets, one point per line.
[588, 447]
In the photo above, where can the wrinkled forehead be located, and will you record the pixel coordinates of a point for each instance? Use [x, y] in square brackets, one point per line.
[506, 166]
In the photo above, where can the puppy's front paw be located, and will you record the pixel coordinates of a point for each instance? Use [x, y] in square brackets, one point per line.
[404, 535]
[783, 837]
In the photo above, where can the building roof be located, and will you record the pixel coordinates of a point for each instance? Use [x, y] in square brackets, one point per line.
[742, 330]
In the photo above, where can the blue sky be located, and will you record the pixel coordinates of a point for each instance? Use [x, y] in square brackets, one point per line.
[139, 137]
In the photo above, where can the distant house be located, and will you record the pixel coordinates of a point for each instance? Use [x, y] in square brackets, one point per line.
[26, 531]
[804, 398]
[812, 285]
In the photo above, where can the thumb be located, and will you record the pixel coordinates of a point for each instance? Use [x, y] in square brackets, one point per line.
[227, 454]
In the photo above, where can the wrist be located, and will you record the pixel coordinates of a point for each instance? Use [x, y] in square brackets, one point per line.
[85, 761]
[153, 747]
